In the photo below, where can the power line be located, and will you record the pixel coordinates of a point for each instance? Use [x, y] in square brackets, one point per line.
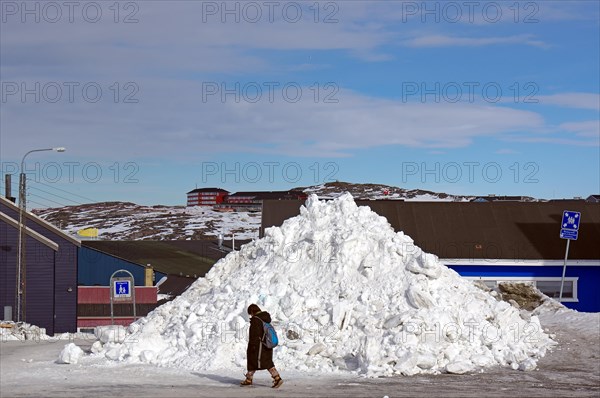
[48, 200]
[58, 196]
[38, 203]
[88, 200]
[65, 191]
[16, 185]
[40, 197]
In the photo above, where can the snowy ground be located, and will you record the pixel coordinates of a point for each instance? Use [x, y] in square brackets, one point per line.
[128, 221]
[375, 294]
[28, 369]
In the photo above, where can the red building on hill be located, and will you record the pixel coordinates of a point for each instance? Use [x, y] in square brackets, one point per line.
[206, 196]
[222, 199]
[258, 197]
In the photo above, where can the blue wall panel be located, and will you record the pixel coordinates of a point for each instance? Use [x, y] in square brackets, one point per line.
[96, 267]
[587, 286]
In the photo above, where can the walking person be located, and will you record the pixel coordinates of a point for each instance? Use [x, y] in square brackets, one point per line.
[258, 356]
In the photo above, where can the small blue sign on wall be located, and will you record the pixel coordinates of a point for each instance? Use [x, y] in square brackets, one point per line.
[122, 289]
[569, 227]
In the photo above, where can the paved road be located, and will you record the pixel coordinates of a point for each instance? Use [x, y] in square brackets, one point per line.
[27, 370]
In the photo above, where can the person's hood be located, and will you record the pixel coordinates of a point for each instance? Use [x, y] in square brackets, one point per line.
[265, 316]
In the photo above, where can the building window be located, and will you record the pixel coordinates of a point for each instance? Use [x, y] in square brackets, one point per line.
[550, 286]
[490, 284]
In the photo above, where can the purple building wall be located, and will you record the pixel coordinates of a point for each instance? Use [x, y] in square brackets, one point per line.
[51, 280]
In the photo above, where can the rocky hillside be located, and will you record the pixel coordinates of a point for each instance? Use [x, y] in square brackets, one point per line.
[379, 191]
[129, 221]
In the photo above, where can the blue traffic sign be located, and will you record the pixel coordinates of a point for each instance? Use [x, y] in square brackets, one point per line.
[122, 289]
[568, 234]
[569, 227]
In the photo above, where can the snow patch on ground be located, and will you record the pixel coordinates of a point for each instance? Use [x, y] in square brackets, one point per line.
[20, 331]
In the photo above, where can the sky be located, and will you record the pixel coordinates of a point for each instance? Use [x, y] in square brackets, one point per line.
[155, 98]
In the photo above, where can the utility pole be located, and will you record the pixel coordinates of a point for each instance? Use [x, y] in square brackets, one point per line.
[21, 263]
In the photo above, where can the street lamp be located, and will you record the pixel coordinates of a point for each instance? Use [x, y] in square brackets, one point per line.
[21, 251]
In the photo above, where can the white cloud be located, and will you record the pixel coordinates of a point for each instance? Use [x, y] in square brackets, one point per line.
[506, 151]
[171, 49]
[171, 120]
[590, 128]
[454, 41]
[181, 36]
[573, 100]
[556, 140]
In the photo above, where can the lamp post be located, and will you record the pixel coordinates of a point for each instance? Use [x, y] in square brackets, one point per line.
[21, 252]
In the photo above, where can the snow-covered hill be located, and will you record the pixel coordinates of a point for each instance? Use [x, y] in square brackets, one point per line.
[129, 221]
[378, 191]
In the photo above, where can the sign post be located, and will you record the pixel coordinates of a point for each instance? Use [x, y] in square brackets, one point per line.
[122, 289]
[569, 230]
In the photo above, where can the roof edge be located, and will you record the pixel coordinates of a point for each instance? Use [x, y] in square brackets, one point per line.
[35, 235]
[41, 221]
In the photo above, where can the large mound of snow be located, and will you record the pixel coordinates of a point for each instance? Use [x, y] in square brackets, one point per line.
[346, 293]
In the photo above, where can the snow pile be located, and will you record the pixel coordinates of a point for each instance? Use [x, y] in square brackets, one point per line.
[110, 333]
[70, 354]
[20, 331]
[346, 293]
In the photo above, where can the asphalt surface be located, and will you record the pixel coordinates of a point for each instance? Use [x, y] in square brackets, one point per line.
[28, 370]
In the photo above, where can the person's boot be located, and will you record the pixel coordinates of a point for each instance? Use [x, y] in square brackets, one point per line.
[246, 382]
[277, 381]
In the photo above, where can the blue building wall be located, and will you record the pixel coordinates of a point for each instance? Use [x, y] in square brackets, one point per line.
[96, 267]
[588, 290]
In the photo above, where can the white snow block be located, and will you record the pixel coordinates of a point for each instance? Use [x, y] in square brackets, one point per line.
[115, 352]
[111, 334]
[70, 354]
[418, 298]
[393, 322]
[459, 367]
[97, 347]
[426, 361]
[316, 349]
[528, 365]
[147, 356]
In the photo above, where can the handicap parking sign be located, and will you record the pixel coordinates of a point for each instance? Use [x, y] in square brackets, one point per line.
[569, 227]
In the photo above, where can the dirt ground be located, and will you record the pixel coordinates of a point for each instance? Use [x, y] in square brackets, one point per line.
[28, 370]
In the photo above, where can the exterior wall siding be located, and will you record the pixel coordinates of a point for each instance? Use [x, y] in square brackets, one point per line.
[51, 282]
[205, 198]
[65, 280]
[588, 292]
[65, 288]
[8, 261]
[39, 281]
[94, 306]
[96, 267]
[39, 306]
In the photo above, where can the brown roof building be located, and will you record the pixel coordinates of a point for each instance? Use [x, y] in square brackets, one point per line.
[495, 241]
